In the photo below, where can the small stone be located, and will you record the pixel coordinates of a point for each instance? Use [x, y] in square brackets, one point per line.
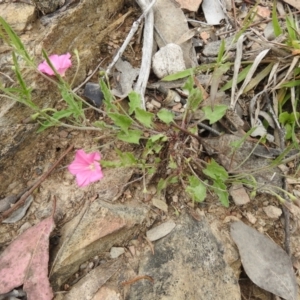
[149, 106]
[83, 266]
[162, 205]
[175, 198]
[269, 32]
[116, 252]
[160, 231]
[272, 212]
[239, 194]
[91, 265]
[251, 218]
[24, 227]
[132, 250]
[63, 134]
[156, 103]
[177, 107]
[93, 93]
[168, 60]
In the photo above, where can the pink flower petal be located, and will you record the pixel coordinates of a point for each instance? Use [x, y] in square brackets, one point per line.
[60, 62]
[86, 167]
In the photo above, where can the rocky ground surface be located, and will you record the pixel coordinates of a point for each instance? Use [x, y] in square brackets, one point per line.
[108, 242]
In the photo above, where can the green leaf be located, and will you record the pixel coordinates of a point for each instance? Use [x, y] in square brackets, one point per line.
[189, 84]
[172, 164]
[127, 158]
[221, 190]
[11, 38]
[216, 114]
[193, 130]
[194, 99]
[165, 115]
[108, 96]
[157, 137]
[62, 114]
[196, 189]
[242, 75]
[122, 121]
[110, 164]
[103, 125]
[132, 136]
[215, 171]
[292, 83]
[154, 144]
[221, 51]
[178, 75]
[144, 117]
[134, 101]
[163, 183]
[275, 23]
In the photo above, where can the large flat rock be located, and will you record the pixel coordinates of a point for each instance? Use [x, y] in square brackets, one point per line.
[187, 264]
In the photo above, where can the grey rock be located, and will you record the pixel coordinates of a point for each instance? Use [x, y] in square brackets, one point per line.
[100, 226]
[17, 15]
[187, 264]
[212, 49]
[116, 252]
[168, 60]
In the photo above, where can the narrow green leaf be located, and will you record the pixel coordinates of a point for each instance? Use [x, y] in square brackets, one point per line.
[108, 96]
[216, 114]
[144, 117]
[242, 75]
[157, 137]
[14, 41]
[291, 83]
[178, 75]
[165, 115]
[122, 121]
[189, 84]
[275, 22]
[259, 77]
[133, 136]
[221, 51]
[196, 189]
[62, 114]
[194, 99]
[110, 164]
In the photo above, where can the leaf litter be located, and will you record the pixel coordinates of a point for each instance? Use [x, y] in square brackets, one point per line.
[25, 262]
[266, 264]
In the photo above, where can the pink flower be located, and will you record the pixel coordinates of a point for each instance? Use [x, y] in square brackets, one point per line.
[86, 167]
[60, 62]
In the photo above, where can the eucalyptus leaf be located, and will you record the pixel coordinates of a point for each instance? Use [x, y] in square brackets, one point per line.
[266, 264]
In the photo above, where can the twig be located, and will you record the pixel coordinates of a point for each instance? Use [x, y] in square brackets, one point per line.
[286, 212]
[142, 81]
[25, 195]
[259, 22]
[187, 132]
[132, 31]
[129, 282]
